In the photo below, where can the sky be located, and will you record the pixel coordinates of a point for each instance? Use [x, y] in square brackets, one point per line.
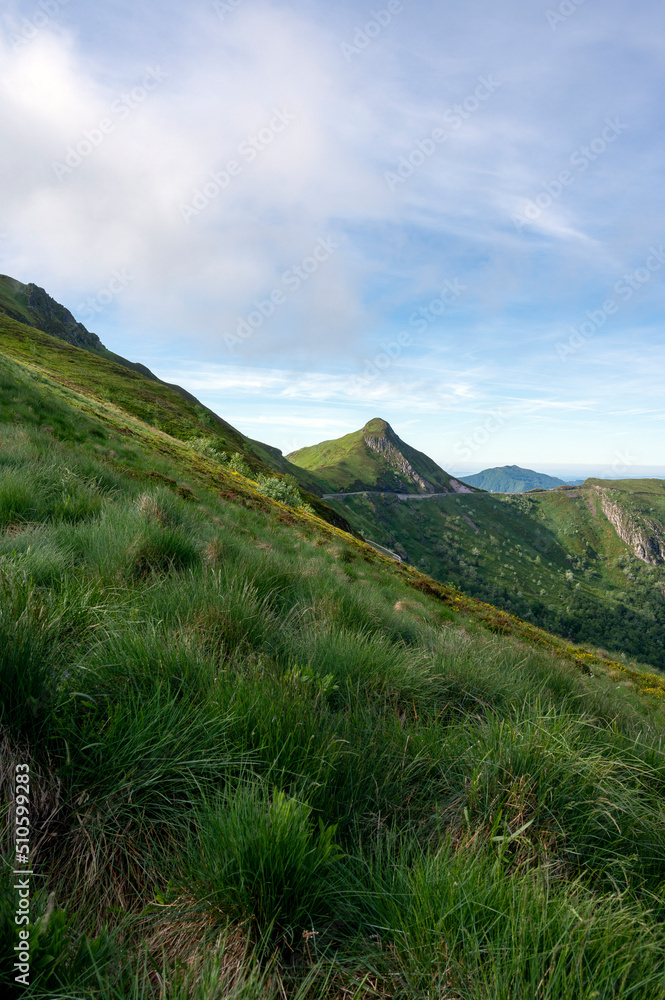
[447, 214]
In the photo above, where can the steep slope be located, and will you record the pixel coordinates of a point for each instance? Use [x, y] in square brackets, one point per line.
[636, 510]
[34, 307]
[258, 759]
[126, 391]
[375, 458]
[512, 479]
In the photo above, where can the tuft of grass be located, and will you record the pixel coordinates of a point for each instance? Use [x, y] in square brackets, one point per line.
[257, 857]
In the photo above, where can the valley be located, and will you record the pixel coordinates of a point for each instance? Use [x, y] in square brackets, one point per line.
[587, 561]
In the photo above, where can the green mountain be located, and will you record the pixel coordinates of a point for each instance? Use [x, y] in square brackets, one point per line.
[512, 479]
[375, 458]
[258, 759]
[586, 562]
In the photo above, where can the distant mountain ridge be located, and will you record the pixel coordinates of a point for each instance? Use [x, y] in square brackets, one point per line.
[512, 479]
[374, 458]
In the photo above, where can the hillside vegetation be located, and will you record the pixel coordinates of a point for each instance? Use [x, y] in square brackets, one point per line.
[267, 762]
[123, 391]
[587, 562]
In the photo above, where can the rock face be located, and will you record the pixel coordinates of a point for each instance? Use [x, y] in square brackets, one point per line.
[646, 541]
[384, 446]
[53, 318]
[458, 487]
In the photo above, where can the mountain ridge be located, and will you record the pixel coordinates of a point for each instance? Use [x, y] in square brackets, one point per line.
[30, 305]
[375, 457]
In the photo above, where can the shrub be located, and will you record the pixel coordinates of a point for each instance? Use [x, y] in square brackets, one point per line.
[238, 464]
[210, 448]
[282, 490]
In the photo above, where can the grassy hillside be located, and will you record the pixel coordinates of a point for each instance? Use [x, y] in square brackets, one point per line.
[121, 392]
[266, 761]
[32, 306]
[512, 479]
[552, 557]
[14, 300]
[373, 458]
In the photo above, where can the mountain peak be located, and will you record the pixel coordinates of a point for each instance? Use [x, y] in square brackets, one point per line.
[375, 459]
[377, 425]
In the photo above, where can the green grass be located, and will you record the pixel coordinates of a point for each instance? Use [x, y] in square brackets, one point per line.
[267, 761]
[257, 857]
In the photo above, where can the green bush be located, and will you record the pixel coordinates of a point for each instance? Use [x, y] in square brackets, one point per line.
[238, 464]
[210, 448]
[282, 490]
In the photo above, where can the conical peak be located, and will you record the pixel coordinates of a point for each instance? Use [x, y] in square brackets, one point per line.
[378, 426]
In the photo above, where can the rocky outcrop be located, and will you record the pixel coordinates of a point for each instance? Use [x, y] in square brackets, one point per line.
[383, 445]
[458, 487]
[51, 317]
[647, 541]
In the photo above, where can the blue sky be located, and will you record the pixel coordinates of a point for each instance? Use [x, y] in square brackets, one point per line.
[446, 214]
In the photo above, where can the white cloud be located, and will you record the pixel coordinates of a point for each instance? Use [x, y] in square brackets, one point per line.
[323, 175]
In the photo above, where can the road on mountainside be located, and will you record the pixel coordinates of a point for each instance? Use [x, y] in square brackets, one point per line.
[385, 493]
